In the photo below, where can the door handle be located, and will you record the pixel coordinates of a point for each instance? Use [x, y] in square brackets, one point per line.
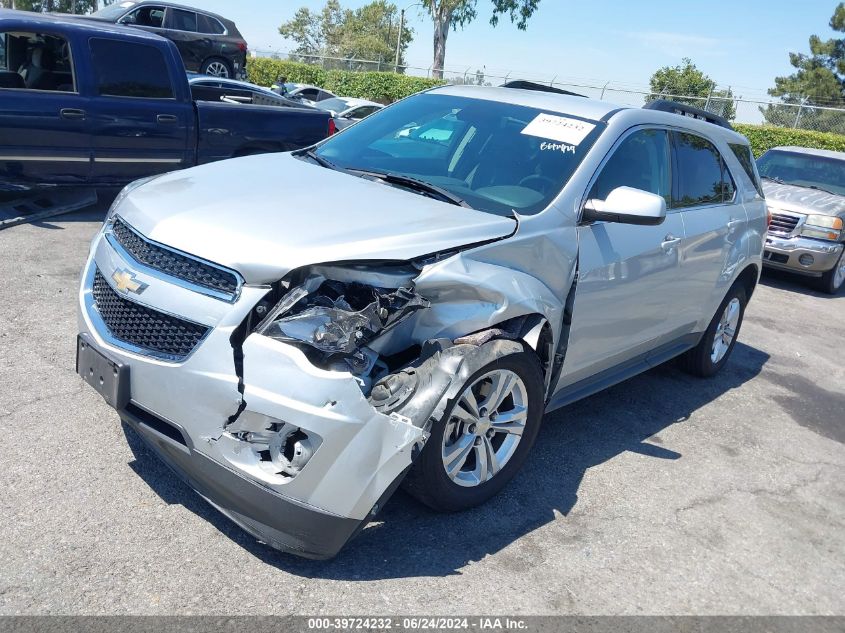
[669, 242]
[166, 118]
[734, 223]
[72, 113]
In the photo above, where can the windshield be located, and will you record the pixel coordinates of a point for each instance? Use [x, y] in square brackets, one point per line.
[334, 105]
[497, 157]
[114, 11]
[804, 170]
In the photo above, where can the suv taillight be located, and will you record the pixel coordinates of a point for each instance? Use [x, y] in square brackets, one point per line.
[242, 46]
[332, 126]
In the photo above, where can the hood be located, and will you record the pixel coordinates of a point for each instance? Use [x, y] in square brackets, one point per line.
[266, 215]
[803, 200]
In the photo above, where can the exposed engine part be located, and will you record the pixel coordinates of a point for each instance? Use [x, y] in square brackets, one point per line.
[422, 392]
[337, 317]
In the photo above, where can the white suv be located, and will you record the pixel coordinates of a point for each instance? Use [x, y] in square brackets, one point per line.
[412, 304]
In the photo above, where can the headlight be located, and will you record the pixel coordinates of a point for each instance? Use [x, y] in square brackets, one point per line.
[823, 227]
[339, 317]
[132, 186]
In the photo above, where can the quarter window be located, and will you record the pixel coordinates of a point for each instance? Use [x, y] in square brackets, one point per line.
[641, 161]
[746, 159]
[146, 76]
[702, 177]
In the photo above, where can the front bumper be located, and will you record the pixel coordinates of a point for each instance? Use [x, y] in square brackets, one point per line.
[786, 253]
[185, 411]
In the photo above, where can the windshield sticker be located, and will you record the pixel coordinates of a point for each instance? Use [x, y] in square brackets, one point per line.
[545, 146]
[559, 128]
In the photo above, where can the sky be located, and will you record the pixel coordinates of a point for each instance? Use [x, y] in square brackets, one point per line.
[743, 44]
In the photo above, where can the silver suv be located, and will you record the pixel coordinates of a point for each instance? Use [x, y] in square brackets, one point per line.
[411, 305]
[805, 191]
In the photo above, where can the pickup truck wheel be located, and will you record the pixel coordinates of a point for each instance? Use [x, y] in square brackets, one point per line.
[718, 341]
[216, 68]
[483, 438]
[833, 280]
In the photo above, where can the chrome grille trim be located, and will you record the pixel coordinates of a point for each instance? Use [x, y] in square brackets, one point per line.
[785, 224]
[180, 268]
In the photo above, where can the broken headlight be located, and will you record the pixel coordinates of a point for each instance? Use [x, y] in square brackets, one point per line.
[338, 317]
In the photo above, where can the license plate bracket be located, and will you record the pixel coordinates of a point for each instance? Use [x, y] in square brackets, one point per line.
[108, 376]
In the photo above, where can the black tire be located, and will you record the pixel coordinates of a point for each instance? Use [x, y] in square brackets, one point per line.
[828, 283]
[212, 62]
[428, 481]
[698, 360]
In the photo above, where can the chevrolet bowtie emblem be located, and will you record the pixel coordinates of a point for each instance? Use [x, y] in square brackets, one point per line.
[124, 280]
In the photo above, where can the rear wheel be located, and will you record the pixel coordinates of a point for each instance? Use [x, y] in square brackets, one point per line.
[718, 341]
[833, 280]
[216, 67]
[483, 438]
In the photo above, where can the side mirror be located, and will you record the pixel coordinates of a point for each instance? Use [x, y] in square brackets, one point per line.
[627, 205]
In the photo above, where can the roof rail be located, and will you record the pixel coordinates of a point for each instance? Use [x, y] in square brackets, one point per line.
[521, 84]
[664, 105]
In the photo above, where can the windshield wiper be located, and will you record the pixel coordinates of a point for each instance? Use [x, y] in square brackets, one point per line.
[773, 179]
[322, 162]
[780, 181]
[414, 184]
[816, 187]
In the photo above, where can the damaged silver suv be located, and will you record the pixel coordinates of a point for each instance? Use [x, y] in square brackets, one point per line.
[429, 283]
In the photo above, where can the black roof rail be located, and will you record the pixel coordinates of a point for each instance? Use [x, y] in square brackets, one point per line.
[521, 84]
[664, 105]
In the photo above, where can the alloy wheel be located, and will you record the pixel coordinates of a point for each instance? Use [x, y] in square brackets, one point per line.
[217, 69]
[839, 275]
[485, 427]
[726, 330]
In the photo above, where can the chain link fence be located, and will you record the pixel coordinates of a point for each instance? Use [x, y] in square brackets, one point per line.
[724, 101]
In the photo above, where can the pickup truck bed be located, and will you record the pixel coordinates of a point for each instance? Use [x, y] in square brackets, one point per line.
[102, 105]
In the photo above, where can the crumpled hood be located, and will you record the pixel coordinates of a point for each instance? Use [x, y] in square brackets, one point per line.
[803, 200]
[266, 215]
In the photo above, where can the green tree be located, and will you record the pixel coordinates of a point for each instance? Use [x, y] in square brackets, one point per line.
[369, 32]
[685, 83]
[58, 6]
[452, 14]
[819, 80]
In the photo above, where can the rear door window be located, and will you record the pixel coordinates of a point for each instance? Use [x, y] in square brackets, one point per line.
[640, 161]
[128, 69]
[183, 20]
[700, 175]
[207, 24]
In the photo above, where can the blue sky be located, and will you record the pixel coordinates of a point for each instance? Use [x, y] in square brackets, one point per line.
[742, 44]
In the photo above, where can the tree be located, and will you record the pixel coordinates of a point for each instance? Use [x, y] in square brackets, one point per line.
[57, 6]
[452, 14]
[369, 32]
[819, 80]
[685, 83]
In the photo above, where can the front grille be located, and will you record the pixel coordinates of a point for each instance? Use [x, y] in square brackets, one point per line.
[144, 327]
[783, 223]
[172, 263]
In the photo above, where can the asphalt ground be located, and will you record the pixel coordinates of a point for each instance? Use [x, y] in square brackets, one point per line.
[666, 494]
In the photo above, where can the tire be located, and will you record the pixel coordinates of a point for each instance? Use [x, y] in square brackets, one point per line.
[217, 67]
[833, 280]
[703, 359]
[428, 480]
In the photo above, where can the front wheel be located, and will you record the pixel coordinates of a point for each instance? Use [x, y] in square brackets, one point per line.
[718, 341]
[216, 68]
[831, 282]
[483, 438]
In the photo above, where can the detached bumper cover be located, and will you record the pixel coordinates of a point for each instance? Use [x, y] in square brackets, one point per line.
[276, 520]
[784, 253]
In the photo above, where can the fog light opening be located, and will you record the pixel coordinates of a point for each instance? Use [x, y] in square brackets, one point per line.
[806, 259]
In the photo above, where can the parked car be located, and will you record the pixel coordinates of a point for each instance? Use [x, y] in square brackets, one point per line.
[102, 105]
[410, 307]
[805, 191]
[208, 43]
[205, 88]
[347, 110]
[303, 92]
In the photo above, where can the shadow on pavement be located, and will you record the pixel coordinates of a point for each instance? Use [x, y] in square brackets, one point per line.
[793, 282]
[410, 540]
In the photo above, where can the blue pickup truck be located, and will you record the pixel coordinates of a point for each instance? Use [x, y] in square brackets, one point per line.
[102, 105]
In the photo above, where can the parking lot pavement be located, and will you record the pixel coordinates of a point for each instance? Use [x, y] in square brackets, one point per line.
[663, 495]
